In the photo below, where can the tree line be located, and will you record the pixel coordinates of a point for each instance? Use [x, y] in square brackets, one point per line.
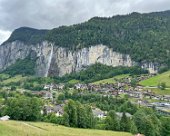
[98, 72]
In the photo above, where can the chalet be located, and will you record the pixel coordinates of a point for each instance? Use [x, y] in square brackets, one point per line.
[93, 87]
[58, 110]
[81, 86]
[59, 86]
[136, 94]
[98, 113]
[47, 95]
[47, 110]
[4, 118]
[143, 102]
[104, 90]
[48, 87]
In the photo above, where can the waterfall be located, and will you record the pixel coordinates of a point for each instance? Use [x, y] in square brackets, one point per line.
[49, 61]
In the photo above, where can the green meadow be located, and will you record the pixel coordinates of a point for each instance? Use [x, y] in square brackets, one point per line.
[154, 81]
[111, 80]
[17, 128]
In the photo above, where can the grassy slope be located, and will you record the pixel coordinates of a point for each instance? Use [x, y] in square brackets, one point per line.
[153, 81]
[15, 79]
[159, 91]
[14, 128]
[73, 81]
[110, 80]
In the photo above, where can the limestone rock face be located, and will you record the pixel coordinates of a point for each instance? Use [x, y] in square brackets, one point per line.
[52, 60]
[151, 67]
[10, 52]
[66, 61]
[101, 54]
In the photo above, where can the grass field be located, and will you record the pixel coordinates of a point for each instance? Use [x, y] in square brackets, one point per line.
[16, 128]
[73, 81]
[154, 81]
[159, 91]
[14, 79]
[110, 80]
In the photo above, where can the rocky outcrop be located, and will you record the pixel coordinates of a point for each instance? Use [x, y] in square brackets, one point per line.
[151, 67]
[10, 52]
[52, 60]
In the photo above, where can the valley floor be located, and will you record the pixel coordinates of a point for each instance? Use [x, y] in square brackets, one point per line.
[18, 128]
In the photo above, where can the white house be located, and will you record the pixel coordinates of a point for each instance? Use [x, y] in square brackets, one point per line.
[98, 113]
[57, 109]
[4, 118]
[80, 86]
[49, 87]
[59, 86]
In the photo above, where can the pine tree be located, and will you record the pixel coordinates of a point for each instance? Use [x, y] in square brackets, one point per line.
[81, 116]
[125, 123]
[65, 120]
[112, 122]
[90, 117]
[165, 129]
[71, 110]
[133, 128]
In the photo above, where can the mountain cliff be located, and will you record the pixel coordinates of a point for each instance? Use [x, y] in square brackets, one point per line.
[52, 60]
[128, 40]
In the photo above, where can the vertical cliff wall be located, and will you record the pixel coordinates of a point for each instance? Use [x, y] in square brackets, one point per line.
[52, 60]
[67, 61]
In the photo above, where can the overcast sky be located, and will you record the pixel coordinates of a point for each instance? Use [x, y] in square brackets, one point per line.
[48, 14]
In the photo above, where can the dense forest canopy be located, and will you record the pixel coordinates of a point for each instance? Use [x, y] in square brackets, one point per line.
[27, 35]
[98, 72]
[146, 37]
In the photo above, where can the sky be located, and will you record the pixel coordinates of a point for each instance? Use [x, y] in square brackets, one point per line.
[48, 14]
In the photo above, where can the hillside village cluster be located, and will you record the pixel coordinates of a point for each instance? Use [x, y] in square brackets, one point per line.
[139, 93]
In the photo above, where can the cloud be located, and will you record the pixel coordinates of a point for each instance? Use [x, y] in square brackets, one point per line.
[48, 14]
[4, 35]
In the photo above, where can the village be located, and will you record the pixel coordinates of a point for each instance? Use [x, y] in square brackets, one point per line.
[138, 95]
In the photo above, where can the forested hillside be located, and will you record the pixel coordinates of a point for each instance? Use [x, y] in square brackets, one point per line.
[27, 35]
[23, 67]
[145, 37]
[98, 72]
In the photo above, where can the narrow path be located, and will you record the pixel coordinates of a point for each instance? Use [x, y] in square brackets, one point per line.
[30, 125]
[35, 127]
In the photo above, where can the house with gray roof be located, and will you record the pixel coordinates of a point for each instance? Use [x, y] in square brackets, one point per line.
[99, 113]
[58, 110]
